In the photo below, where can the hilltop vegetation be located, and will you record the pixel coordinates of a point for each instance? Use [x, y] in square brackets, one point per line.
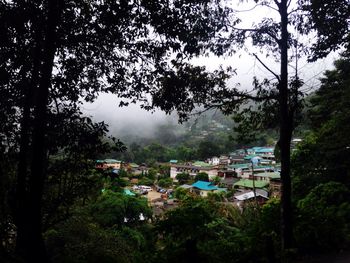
[208, 135]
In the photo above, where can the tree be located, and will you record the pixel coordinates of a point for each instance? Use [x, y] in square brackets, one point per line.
[100, 231]
[146, 181]
[182, 240]
[277, 97]
[165, 182]
[323, 218]
[202, 176]
[182, 177]
[216, 180]
[57, 52]
[208, 149]
[331, 21]
[118, 209]
[324, 154]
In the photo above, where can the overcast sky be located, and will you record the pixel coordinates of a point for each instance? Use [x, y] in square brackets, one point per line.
[132, 118]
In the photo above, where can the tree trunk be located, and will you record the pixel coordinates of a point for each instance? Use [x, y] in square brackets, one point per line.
[286, 127]
[21, 206]
[33, 248]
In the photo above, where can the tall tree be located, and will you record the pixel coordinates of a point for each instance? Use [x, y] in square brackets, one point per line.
[277, 98]
[324, 154]
[53, 53]
[331, 20]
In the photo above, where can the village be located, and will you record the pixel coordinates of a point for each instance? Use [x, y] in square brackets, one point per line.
[241, 177]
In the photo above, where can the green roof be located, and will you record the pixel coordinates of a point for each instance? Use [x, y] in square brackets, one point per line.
[249, 183]
[108, 161]
[272, 175]
[112, 161]
[134, 165]
[201, 164]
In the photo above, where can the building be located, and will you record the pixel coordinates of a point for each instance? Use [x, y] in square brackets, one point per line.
[249, 184]
[193, 169]
[249, 197]
[214, 161]
[203, 188]
[275, 187]
[266, 176]
[108, 163]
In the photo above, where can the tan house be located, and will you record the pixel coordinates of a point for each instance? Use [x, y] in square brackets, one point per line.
[193, 169]
[108, 163]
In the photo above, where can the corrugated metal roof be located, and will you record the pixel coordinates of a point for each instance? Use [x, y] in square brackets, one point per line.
[249, 183]
[202, 185]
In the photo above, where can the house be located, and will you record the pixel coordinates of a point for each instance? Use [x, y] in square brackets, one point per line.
[249, 184]
[237, 159]
[242, 198]
[275, 187]
[203, 188]
[239, 168]
[224, 160]
[260, 151]
[227, 174]
[264, 151]
[108, 163]
[250, 151]
[214, 160]
[228, 182]
[193, 169]
[249, 157]
[239, 152]
[266, 176]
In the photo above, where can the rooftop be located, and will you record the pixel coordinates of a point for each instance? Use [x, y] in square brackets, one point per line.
[272, 175]
[264, 150]
[248, 195]
[240, 165]
[201, 164]
[108, 161]
[249, 183]
[202, 185]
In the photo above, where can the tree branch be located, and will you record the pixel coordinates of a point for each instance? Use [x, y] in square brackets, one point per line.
[295, 10]
[258, 31]
[267, 68]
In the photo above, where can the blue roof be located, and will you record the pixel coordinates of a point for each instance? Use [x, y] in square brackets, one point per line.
[202, 185]
[264, 150]
[257, 148]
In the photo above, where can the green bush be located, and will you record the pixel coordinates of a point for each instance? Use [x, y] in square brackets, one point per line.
[166, 182]
[323, 220]
[146, 181]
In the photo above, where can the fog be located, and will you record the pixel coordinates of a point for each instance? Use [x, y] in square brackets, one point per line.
[131, 121]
